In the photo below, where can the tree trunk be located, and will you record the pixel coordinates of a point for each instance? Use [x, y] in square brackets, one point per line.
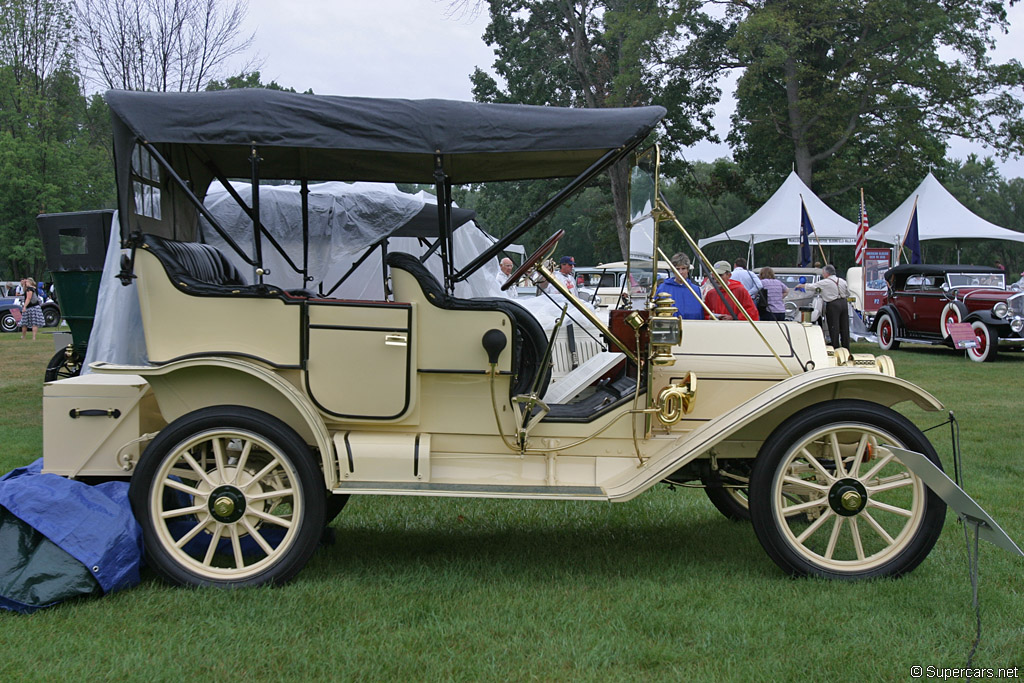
[797, 129]
[619, 174]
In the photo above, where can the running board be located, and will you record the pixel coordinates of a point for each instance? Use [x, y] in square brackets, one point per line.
[471, 490]
[965, 506]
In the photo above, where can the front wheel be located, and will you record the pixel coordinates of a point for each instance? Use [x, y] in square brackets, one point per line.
[828, 498]
[51, 315]
[7, 322]
[228, 496]
[987, 343]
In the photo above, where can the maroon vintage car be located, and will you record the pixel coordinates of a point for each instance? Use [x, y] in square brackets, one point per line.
[923, 301]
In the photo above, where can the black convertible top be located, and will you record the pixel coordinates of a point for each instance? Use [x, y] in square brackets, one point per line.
[908, 269]
[354, 138]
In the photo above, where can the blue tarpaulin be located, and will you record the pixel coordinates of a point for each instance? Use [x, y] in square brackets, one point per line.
[44, 519]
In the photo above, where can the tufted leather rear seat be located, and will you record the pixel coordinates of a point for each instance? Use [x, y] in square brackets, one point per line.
[200, 268]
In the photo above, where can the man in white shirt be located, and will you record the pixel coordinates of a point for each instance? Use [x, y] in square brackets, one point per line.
[564, 273]
[501, 277]
[834, 292]
[750, 281]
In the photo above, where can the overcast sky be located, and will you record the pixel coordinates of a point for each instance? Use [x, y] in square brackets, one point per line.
[409, 49]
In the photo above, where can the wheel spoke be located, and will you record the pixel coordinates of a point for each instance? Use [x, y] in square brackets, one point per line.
[815, 525]
[198, 469]
[257, 536]
[200, 525]
[259, 475]
[272, 519]
[803, 483]
[264, 495]
[218, 457]
[857, 544]
[902, 512]
[211, 550]
[892, 483]
[858, 457]
[813, 462]
[837, 455]
[184, 488]
[243, 459]
[882, 462]
[816, 503]
[834, 537]
[180, 512]
[236, 547]
[873, 523]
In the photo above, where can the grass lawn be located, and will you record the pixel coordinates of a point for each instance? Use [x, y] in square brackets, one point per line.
[660, 588]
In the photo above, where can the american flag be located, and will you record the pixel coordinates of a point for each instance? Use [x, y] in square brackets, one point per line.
[862, 232]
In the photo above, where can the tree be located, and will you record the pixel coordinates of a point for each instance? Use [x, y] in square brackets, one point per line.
[864, 93]
[49, 157]
[161, 45]
[596, 53]
[248, 80]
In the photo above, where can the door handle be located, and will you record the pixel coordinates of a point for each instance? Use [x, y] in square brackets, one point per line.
[396, 340]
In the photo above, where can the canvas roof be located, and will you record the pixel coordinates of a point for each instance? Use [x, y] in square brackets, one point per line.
[779, 219]
[939, 216]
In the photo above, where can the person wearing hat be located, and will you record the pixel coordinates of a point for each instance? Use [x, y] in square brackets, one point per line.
[564, 274]
[725, 308]
[685, 294]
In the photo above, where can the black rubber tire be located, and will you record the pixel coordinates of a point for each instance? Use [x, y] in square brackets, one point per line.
[7, 322]
[909, 545]
[293, 463]
[63, 366]
[732, 502]
[51, 314]
[887, 334]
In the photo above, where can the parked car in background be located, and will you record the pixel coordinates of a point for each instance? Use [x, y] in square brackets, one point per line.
[801, 293]
[603, 285]
[923, 301]
[10, 309]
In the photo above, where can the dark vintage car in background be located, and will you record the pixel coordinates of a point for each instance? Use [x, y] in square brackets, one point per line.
[922, 301]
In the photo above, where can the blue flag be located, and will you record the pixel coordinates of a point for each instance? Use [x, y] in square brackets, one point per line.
[913, 241]
[805, 236]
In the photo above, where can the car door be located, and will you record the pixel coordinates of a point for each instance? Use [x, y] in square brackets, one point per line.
[358, 358]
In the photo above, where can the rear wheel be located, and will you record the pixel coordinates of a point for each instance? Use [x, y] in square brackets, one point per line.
[887, 333]
[726, 488]
[64, 364]
[829, 499]
[988, 344]
[228, 496]
[51, 314]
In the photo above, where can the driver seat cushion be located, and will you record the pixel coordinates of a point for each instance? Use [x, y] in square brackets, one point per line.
[529, 341]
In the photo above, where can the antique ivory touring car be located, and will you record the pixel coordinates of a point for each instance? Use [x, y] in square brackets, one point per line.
[265, 401]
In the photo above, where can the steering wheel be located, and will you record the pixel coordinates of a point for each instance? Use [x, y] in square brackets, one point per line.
[534, 258]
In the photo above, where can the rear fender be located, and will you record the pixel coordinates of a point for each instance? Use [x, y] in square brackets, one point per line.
[183, 386]
[740, 431]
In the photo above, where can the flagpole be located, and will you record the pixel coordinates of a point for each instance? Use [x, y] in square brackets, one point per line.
[816, 238]
[907, 231]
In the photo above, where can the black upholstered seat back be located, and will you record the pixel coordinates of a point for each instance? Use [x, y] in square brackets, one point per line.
[198, 268]
[529, 340]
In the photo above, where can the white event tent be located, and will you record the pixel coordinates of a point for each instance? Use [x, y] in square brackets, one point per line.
[939, 217]
[779, 219]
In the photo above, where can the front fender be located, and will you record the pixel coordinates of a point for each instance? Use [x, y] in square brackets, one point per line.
[751, 422]
[891, 310]
[183, 386]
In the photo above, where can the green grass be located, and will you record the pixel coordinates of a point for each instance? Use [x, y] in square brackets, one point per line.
[660, 588]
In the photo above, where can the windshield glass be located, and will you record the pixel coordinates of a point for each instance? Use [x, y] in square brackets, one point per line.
[643, 192]
[996, 280]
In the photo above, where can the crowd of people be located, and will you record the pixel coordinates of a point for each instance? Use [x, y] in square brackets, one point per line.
[760, 296]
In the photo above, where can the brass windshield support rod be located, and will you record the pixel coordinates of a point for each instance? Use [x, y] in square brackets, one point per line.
[195, 200]
[588, 314]
[667, 212]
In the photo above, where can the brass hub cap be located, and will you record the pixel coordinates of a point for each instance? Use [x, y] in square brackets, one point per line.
[227, 504]
[847, 497]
